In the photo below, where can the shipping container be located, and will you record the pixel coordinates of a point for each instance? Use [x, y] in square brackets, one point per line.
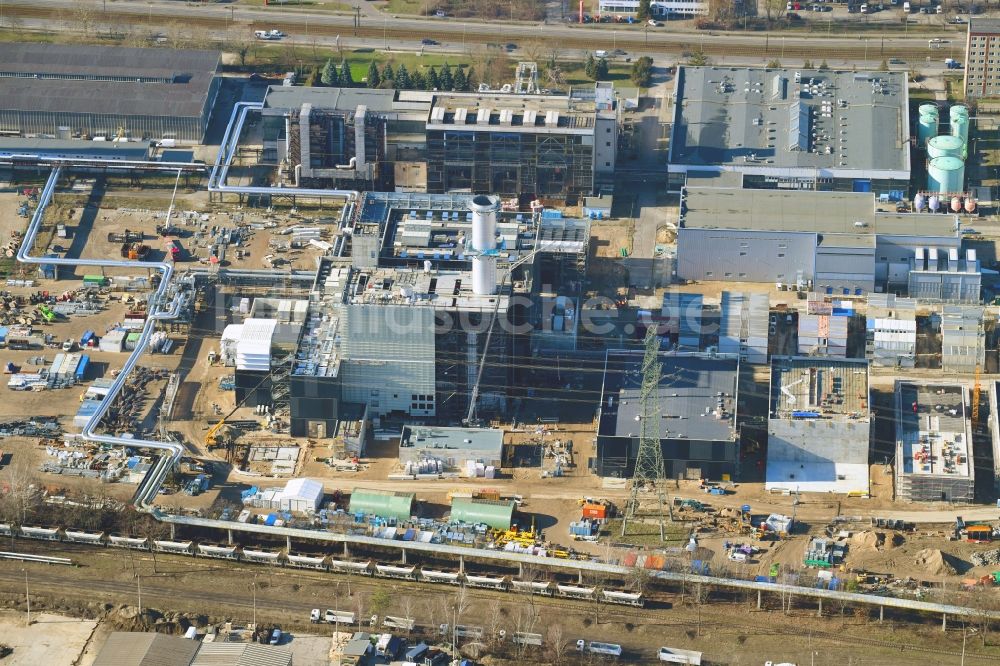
[598, 511]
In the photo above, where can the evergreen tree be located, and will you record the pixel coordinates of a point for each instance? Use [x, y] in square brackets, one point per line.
[387, 74]
[643, 10]
[329, 75]
[601, 69]
[403, 78]
[346, 79]
[470, 80]
[418, 80]
[374, 78]
[433, 82]
[590, 66]
[446, 80]
[461, 83]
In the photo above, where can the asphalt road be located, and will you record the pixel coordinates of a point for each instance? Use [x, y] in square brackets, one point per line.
[303, 27]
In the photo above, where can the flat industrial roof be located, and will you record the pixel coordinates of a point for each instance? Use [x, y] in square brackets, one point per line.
[344, 99]
[819, 388]
[697, 396]
[454, 439]
[933, 429]
[808, 211]
[113, 80]
[784, 118]
[984, 25]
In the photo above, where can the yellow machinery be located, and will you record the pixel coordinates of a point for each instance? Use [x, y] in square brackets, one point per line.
[976, 391]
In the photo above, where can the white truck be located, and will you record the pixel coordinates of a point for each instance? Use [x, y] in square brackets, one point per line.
[678, 656]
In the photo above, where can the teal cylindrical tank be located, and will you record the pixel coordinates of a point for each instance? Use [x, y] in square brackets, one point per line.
[944, 145]
[926, 108]
[958, 116]
[945, 175]
[927, 127]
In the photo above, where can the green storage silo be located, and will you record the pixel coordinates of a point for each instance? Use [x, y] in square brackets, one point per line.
[381, 503]
[498, 515]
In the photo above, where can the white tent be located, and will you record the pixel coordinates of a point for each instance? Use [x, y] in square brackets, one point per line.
[304, 495]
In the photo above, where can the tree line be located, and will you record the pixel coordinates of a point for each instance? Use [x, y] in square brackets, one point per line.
[401, 78]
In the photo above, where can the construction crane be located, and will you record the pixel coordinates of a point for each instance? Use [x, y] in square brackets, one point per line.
[977, 389]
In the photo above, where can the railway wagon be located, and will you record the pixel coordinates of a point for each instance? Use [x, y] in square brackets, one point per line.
[622, 598]
[40, 533]
[273, 557]
[131, 543]
[218, 552]
[394, 571]
[487, 582]
[544, 588]
[575, 592]
[347, 566]
[435, 576]
[175, 547]
[306, 562]
[80, 536]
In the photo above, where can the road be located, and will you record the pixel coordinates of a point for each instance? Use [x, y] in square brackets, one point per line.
[405, 32]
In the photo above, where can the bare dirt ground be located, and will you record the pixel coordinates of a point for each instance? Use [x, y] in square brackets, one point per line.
[51, 638]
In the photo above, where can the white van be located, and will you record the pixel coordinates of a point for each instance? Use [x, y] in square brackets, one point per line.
[600, 54]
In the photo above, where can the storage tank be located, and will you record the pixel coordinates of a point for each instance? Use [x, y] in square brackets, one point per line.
[927, 127]
[934, 203]
[956, 205]
[970, 205]
[944, 145]
[919, 202]
[928, 108]
[959, 120]
[484, 222]
[945, 174]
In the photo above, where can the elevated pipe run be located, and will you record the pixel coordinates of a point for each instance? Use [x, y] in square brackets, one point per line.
[172, 449]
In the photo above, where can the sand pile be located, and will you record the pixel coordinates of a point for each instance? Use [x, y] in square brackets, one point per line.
[934, 562]
[867, 540]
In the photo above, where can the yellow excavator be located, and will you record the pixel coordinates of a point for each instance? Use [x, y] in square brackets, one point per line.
[216, 436]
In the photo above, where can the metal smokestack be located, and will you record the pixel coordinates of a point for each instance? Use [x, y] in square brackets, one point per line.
[484, 222]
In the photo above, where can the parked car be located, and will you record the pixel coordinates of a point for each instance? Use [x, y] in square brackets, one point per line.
[428, 42]
[275, 636]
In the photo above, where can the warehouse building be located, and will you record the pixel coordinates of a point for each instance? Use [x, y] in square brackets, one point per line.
[819, 425]
[412, 141]
[831, 242]
[796, 129]
[472, 452]
[933, 443]
[697, 398]
[92, 92]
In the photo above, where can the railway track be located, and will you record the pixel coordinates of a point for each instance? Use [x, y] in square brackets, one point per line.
[715, 619]
[301, 28]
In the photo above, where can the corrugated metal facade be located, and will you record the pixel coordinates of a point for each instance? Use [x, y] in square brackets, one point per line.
[743, 326]
[744, 256]
[963, 341]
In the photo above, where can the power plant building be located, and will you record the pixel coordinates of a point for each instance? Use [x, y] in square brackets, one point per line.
[66, 91]
[933, 443]
[412, 141]
[697, 403]
[835, 243]
[819, 425]
[794, 129]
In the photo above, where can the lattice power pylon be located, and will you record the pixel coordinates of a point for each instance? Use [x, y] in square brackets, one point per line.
[649, 473]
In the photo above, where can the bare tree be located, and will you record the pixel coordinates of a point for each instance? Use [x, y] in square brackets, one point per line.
[23, 497]
[406, 607]
[497, 613]
[556, 641]
[242, 44]
[525, 620]
[774, 9]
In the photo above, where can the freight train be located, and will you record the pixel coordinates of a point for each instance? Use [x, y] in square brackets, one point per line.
[236, 552]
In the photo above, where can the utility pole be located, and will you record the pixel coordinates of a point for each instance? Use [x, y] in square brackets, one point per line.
[27, 600]
[255, 601]
[649, 461]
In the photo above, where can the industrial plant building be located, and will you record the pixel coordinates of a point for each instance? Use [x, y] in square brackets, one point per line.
[963, 339]
[933, 443]
[824, 329]
[818, 426]
[994, 397]
[783, 128]
[743, 326]
[891, 331]
[683, 319]
[830, 242]
[410, 141]
[472, 452]
[69, 91]
[697, 403]
[414, 309]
